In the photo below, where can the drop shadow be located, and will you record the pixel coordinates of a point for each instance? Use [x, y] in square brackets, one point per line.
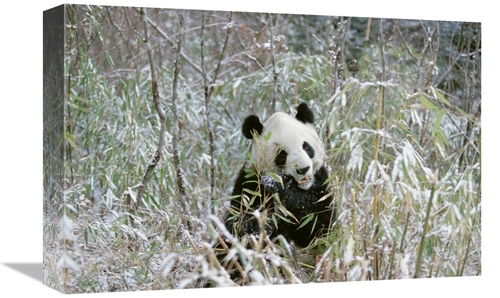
[33, 270]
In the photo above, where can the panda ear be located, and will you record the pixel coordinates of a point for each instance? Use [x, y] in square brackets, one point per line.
[304, 114]
[252, 123]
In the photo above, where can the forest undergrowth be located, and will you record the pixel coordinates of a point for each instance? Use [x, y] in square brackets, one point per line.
[153, 110]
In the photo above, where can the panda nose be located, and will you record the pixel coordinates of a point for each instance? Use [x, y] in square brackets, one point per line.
[302, 171]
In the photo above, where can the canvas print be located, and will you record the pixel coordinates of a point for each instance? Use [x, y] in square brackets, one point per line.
[204, 149]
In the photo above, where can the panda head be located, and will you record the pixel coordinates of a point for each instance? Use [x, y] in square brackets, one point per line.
[287, 144]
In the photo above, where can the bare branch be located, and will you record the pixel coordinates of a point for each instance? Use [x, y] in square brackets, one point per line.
[154, 79]
[153, 163]
[156, 99]
[412, 55]
[175, 131]
[275, 71]
[337, 60]
[216, 74]
[173, 43]
[208, 204]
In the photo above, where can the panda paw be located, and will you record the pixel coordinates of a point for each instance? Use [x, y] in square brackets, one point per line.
[271, 182]
[275, 182]
[252, 226]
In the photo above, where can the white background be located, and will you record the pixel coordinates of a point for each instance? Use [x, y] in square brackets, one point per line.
[21, 145]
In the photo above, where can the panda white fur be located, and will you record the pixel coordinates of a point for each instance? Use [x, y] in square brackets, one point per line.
[290, 148]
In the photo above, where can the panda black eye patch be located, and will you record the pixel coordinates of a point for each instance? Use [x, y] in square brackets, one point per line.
[280, 159]
[308, 149]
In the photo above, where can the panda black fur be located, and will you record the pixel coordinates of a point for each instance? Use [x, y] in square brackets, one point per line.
[290, 148]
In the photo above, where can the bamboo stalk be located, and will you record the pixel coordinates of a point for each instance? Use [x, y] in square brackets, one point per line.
[424, 232]
[380, 108]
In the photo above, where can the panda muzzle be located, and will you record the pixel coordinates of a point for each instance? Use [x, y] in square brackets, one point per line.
[303, 180]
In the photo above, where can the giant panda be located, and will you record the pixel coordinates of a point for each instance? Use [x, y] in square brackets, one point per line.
[286, 169]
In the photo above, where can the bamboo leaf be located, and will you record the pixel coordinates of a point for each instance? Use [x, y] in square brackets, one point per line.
[250, 173]
[275, 221]
[440, 96]
[283, 218]
[427, 103]
[287, 213]
[251, 192]
[267, 136]
[275, 177]
[437, 123]
[307, 219]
